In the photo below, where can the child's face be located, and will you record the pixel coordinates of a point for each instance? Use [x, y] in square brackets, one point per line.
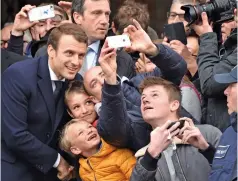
[81, 107]
[83, 137]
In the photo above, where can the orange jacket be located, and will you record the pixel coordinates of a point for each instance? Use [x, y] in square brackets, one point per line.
[109, 164]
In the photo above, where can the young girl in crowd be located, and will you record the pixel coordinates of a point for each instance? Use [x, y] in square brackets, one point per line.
[79, 104]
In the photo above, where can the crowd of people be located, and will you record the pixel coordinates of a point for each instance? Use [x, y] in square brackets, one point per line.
[74, 108]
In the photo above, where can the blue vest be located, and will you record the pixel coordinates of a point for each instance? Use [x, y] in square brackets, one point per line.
[225, 159]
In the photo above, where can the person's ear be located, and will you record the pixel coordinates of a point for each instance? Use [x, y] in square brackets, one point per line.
[78, 18]
[113, 28]
[51, 51]
[174, 105]
[94, 99]
[71, 115]
[75, 151]
[235, 14]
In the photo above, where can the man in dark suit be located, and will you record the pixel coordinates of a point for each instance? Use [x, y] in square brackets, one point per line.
[93, 17]
[33, 108]
[8, 58]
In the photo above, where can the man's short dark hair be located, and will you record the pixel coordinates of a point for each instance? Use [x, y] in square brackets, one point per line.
[78, 6]
[127, 12]
[66, 29]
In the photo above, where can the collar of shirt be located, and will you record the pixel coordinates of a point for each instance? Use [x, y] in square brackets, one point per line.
[53, 78]
[95, 46]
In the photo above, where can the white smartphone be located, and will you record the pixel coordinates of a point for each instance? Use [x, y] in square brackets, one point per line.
[43, 12]
[118, 41]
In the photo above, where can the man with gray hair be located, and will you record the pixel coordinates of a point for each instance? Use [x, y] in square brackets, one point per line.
[93, 16]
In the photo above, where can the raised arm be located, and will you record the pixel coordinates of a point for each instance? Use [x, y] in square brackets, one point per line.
[209, 62]
[21, 23]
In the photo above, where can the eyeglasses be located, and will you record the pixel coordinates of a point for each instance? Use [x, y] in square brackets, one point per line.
[173, 15]
[57, 18]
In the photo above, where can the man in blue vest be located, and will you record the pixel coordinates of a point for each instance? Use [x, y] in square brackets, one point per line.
[224, 157]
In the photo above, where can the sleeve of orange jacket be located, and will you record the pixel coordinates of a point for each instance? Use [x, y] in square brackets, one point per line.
[126, 162]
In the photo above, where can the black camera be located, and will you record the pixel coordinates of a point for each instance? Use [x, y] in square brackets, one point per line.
[218, 11]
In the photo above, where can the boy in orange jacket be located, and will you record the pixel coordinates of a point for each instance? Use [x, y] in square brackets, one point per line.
[98, 160]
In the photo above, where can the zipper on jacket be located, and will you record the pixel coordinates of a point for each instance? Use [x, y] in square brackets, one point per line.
[180, 165]
[92, 170]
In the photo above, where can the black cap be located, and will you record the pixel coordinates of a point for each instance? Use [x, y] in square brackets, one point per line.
[227, 78]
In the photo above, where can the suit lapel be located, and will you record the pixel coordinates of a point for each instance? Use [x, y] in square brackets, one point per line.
[45, 86]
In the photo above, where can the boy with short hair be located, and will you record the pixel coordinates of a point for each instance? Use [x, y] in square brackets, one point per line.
[98, 160]
[167, 157]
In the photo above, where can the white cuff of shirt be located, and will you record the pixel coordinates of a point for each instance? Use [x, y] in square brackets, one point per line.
[57, 161]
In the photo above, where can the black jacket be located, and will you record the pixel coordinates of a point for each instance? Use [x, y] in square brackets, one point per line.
[8, 58]
[209, 64]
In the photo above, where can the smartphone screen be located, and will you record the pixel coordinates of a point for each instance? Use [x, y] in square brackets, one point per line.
[175, 31]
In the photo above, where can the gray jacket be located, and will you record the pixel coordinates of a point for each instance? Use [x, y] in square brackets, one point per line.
[209, 64]
[189, 163]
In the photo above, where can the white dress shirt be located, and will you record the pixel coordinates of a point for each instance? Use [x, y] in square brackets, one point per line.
[90, 59]
[53, 78]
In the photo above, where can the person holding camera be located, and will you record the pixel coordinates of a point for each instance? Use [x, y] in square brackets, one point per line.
[209, 64]
[224, 158]
[38, 29]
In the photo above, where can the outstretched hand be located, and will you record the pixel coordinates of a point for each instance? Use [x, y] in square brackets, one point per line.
[140, 40]
[22, 22]
[66, 6]
[108, 63]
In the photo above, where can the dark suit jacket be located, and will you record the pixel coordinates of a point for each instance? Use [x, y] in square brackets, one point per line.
[8, 58]
[29, 122]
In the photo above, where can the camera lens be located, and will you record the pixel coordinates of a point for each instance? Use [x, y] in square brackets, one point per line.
[190, 13]
[214, 9]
